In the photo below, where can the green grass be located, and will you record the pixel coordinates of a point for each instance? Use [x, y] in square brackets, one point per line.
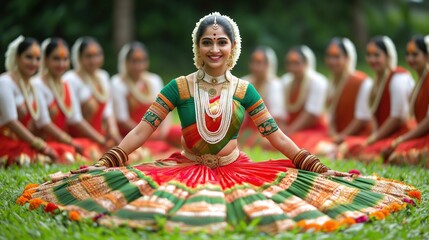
[17, 222]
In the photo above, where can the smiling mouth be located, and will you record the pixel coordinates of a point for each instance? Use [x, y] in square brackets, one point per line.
[215, 58]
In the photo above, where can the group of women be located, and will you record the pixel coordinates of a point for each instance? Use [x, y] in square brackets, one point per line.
[210, 185]
[350, 115]
[50, 114]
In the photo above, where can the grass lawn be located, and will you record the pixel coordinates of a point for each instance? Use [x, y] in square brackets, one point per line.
[20, 223]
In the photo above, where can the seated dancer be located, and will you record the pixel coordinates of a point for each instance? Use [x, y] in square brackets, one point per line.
[389, 102]
[305, 94]
[263, 76]
[348, 97]
[91, 86]
[23, 112]
[64, 107]
[211, 184]
[134, 89]
[412, 147]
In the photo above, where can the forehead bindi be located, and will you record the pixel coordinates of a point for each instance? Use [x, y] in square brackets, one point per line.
[214, 34]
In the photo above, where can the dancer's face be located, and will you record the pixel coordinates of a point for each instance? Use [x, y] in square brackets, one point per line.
[136, 63]
[295, 64]
[415, 57]
[29, 60]
[215, 50]
[335, 59]
[92, 57]
[58, 61]
[258, 65]
[376, 58]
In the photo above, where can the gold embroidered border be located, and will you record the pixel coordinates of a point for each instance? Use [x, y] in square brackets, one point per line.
[182, 85]
[241, 89]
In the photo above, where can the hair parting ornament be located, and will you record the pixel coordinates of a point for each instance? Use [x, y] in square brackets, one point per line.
[12, 51]
[236, 50]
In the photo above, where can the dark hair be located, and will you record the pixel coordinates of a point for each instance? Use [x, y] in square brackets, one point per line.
[419, 40]
[298, 49]
[209, 21]
[85, 42]
[24, 45]
[134, 46]
[378, 40]
[53, 44]
[340, 43]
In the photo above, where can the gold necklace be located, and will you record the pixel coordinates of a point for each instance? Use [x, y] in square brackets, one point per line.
[34, 111]
[379, 90]
[59, 94]
[135, 91]
[303, 92]
[99, 94]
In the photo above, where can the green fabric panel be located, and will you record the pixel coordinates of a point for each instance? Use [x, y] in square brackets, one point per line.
[234, 215]
[273, 218]
[308, 215]
[359, 183]
[134, 215]
[211, 200]
[63, 195]
[91, 205]
[197, 221]
[303, 184]
[148, 179]
[251, 96]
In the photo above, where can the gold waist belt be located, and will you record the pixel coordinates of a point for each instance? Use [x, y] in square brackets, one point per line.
[211, 160]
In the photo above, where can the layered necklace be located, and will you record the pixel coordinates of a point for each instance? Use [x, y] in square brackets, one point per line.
[34, 111]
[417, 90]
[100, 93]
[378, 91]
[58, 89]
[204, 85]
[302, 95]
[135, 91]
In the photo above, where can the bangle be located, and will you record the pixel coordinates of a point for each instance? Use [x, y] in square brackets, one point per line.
[115, 157]
[306, 161]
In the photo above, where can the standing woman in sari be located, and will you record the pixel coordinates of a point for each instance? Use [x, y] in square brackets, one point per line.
[23, 111]
[305, 94]
[91, 86]
[389, 102]
[349, 111]
[135, 89]
[64, 107]
[263, 75]
[413, 146]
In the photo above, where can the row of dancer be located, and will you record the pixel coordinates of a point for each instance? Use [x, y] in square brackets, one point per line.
[49, 114]
[350, 115]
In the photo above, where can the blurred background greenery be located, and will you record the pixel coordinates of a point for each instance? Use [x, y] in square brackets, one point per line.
[165, 26]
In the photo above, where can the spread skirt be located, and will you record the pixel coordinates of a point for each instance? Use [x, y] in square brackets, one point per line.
[193, 197]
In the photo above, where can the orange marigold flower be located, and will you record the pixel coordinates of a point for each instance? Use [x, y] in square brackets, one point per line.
[377, 215]
[385, 212]
[29, 191]
[316, 227]
[31, 185]
[27, 195]
[330, 226]
[21, 200]
[35, 203]
[394, 207]
[348, 221]
[74, 216]
[301, 224]
[415, 194]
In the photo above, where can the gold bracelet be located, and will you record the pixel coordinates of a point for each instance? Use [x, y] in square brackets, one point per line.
[38, 144]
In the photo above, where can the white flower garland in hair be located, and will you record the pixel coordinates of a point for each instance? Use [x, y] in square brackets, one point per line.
[272, 62]
[391, 52]
[75, 53]
[236, 49]
[43, 47]
[351, 53]
[11, 52]
[122, 58]
[309, 57]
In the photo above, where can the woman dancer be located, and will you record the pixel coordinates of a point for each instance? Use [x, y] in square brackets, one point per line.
[211, 184]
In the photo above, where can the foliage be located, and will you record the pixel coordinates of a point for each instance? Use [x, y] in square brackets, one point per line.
[17, 222]
[165, 26]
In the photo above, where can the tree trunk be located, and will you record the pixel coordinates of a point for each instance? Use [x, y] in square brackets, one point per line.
[123, 22]
[359, 26]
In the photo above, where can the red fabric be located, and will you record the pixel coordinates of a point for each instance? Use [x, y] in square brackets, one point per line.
[57, 116]
[422, 101]
[345, 109]
[243, 170]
